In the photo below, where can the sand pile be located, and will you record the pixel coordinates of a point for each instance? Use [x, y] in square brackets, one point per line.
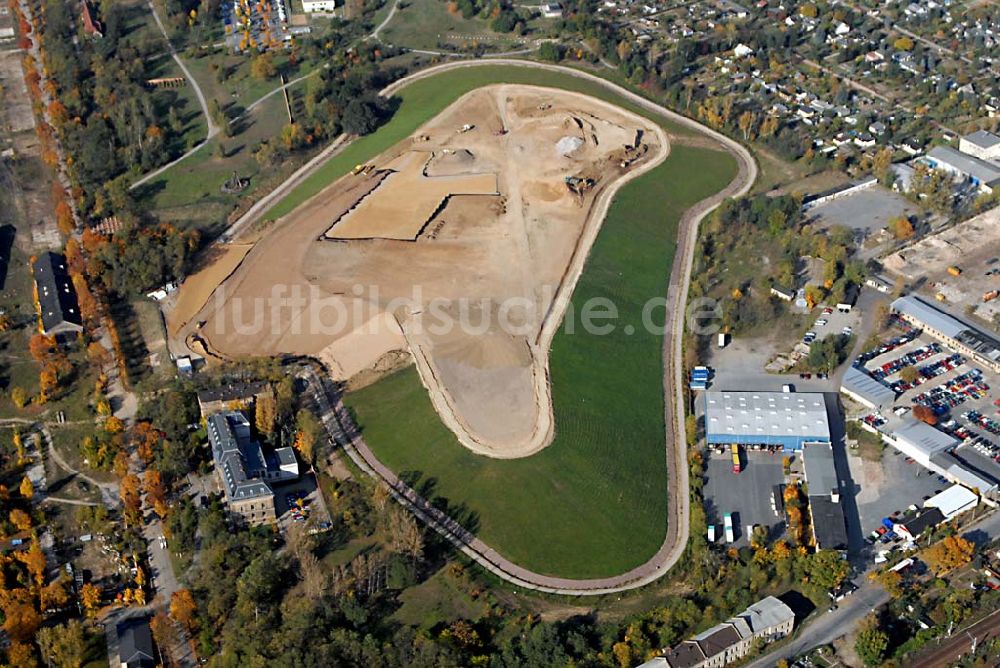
[568, 145]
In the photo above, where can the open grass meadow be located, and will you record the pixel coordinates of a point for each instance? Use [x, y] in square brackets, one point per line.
[594, 502]
[424, 99]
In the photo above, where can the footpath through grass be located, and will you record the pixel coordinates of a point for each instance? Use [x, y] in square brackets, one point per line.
[593, 503]
[424, 99]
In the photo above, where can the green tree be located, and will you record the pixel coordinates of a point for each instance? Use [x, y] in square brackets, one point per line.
[827, 569]
[64, 646]
[872, 644]
[550, 51]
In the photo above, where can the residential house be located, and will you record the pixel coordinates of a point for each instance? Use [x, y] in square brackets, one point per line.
[552, 10]
[319, 6]
[135, 644]
[768, 619]
[91, 26]
[782, 293]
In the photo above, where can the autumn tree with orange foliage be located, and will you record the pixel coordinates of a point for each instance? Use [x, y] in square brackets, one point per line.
[131, 500]
[20, 519]
[90, 598]
[184, 610]
[156, 492]
[144, 438]
[948, 554]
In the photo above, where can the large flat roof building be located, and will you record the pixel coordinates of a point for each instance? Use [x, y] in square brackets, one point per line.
[982, 347]
[829, 525]
[921, 441]
[788, 419]
[983, 174]
[981, 144]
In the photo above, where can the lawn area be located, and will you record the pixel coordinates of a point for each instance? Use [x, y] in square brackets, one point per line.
[188, 194]
[593, 503]
[427, 24]
[426, 98]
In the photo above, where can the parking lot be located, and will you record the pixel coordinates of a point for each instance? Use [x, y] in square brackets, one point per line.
[962, 394]
[312, 510]
[890, 486]
[867, 210]
[746, 495]
[828, 321]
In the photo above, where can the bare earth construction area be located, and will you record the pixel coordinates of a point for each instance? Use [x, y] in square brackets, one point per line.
[484, 216]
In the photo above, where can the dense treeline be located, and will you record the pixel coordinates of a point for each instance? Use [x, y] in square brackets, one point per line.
[105, 115]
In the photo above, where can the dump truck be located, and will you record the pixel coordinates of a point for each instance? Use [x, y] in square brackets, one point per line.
[954, 271]
[990, 296]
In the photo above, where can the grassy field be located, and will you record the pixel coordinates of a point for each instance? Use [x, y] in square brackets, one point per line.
[427, 24]
[424, 99]
[188, 193]
[593, 503]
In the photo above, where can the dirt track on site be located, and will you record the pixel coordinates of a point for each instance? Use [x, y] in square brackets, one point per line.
[461, 245]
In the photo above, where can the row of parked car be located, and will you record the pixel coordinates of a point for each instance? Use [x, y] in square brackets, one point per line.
[909, 333]
[987, 423]
[909, 359]
[960, 389]
[930, 371]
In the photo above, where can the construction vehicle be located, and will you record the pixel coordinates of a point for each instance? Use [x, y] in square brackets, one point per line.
[940, 297]
[358, 169]
[579, 185]
[954, 271]
[990, 296]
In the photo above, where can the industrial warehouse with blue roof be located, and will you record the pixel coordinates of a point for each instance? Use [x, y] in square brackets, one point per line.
[788, 419]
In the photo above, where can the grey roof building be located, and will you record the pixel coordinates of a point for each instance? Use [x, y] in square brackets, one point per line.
[769, 616]
[767, 619]
[821, 474]
[864, 389]
[982, 347]
[981, 173]
[243, 468]
[981, 144]
[57, 303]
[135, 645]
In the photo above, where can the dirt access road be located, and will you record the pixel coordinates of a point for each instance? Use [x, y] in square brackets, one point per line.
[339, 429]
